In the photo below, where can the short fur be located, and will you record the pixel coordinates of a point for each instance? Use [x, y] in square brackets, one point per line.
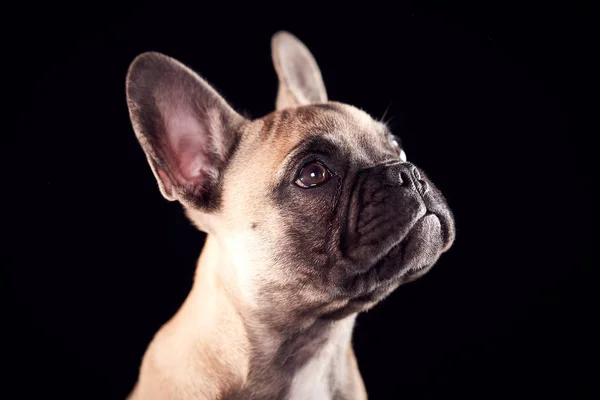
[285, 269]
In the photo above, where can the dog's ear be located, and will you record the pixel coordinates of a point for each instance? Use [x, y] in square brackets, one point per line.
[186, 129]
[300, 80]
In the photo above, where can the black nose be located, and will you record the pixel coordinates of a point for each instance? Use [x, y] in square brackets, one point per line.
[407, 175]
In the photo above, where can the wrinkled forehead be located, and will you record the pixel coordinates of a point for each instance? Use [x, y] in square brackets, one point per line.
[345, 127]
[269, 143]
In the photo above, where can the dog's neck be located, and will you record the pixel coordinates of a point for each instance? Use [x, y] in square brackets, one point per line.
[252, 358]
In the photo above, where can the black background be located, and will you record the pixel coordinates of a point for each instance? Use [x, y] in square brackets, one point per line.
[491, 100]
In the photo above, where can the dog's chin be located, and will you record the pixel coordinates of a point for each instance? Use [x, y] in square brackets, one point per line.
[422, 248]
[414, 254]
[408, 260]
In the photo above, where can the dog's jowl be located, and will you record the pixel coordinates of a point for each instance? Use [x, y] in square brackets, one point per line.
[312, 215]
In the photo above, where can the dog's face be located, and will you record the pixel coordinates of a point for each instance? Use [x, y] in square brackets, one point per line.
[314, 206]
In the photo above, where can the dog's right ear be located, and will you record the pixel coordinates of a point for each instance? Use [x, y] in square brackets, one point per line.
[300, 80]
[185, 127]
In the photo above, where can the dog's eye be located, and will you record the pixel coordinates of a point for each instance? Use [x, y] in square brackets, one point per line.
[402, 155]
[400, 152]
[313, 174]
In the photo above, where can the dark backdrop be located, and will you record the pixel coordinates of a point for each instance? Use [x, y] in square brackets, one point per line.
[492, 101]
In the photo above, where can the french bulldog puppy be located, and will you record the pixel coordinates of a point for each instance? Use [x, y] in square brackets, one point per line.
[312, 215]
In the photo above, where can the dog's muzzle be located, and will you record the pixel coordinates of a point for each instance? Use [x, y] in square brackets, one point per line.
[408, 176]
[398, 225]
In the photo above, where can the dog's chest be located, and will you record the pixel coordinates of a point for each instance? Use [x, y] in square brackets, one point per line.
[318, 378]
[313, 381]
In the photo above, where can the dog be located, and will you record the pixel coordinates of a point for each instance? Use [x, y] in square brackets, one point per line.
[312, 215]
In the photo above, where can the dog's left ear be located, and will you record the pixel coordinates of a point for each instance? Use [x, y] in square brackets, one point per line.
[187, 130]
[300, 80]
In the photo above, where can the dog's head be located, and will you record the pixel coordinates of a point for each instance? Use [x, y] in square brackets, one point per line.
[314, 206]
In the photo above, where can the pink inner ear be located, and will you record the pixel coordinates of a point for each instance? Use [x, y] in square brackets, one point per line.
[189, 142]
